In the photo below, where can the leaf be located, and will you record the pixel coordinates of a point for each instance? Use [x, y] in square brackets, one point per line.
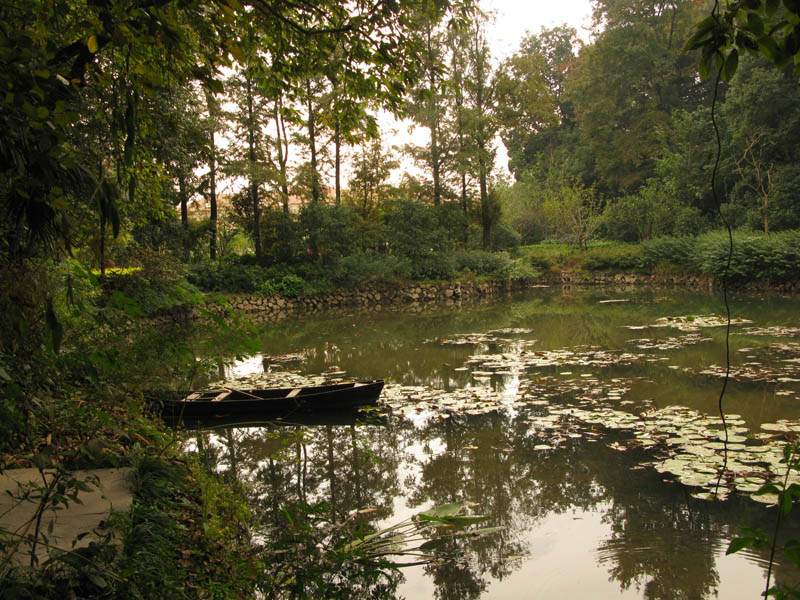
[792, 551]
[97, 580]
[705, 67]
[771, 6]
[767, 488]
[433, 544]
[91, 43]
[465, 520]
[769, 48]
[486, 530]
[739, 544]
[438, 513]
[788, 450]
[755, 24]
[701, 31]
[731, 64]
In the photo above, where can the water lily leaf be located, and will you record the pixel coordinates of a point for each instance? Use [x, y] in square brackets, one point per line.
[442, 511]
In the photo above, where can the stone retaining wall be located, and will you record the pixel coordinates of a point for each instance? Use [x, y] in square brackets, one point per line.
[275, 308]
[580, 278]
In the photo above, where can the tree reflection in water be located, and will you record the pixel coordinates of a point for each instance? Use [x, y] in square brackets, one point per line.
[661, 542]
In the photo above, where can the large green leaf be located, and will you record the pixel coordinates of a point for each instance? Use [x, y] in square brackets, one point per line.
[441, 512]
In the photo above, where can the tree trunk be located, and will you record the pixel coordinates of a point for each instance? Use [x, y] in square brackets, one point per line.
[251, 156]
[312, 141]
[435, 162]
[212, 199]
[337, 140]
[283, 154]
[485, 218]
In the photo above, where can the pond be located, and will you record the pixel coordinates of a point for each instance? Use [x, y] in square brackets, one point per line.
[582, 425]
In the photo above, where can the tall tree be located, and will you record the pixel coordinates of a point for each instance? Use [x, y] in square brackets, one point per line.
[371, 169]
[213, 125]
[249, 120]
[427, 105]
[59, 54]
[480, 116]
[627, 83]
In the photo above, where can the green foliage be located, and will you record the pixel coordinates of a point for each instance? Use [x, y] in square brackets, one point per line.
[370, 269]
[775, 258]
[155, 280]
[504, 237]
[226, 275]
[649, 213]
[764, 27]
[482, 263]
[281, 238]
[611, 258]
[330, 231]
[289, 285]
[663, 250]
[418, 231]
[434, 266]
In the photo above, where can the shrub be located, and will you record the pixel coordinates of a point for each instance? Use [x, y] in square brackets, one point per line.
[611, 258]
[228, 275]
[662, 250]
[436, 266]
[774, 257]
[330, 231]
[415, 231]
[281, 238]
[370, 269]
[157, 280]
[481, 263]
[504, 237]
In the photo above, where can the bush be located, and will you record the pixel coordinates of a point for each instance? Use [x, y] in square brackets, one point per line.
[479, 262]
[436, 266]
[154, 280]
[281, 238]
[227, 275]
[370, 269]
[504, 237]
[289, 285]
[415, 231]
[664, 250]
[611, 258]
[331, 231]
[774, 257]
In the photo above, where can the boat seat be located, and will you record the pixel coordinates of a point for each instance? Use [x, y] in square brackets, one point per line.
[293, 393]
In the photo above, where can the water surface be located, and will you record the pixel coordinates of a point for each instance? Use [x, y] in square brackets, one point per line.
[584, 512]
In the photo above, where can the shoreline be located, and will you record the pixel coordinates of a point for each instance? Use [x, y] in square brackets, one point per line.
[264, 309]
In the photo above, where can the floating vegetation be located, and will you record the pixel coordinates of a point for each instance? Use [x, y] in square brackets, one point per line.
[509, 331]
[680, 442]
[495, 336]
[593, 356]
[775, 331]
[670, 343]
[691, 322]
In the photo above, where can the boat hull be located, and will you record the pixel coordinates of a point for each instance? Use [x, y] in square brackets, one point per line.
[274, 403]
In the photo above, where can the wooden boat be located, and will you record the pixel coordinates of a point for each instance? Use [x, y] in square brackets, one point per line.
[278, 402]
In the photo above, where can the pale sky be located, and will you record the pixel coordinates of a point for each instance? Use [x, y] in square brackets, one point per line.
[514, 17]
